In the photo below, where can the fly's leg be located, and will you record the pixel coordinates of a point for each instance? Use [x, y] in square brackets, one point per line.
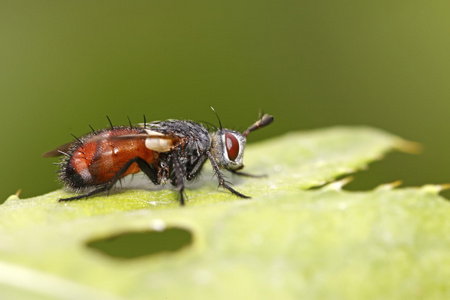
[93, 192]
[246, 174]
[220, 177]
[149, 170]
[178, 172]
[196, 168]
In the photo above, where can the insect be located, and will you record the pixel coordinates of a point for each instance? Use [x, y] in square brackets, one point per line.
[168, 151]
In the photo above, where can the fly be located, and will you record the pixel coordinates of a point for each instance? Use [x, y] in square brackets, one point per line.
[168, 151]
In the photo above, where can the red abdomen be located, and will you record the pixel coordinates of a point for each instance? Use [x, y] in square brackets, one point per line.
[102, 155]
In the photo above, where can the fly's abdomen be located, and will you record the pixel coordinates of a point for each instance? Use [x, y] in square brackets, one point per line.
[100, 157]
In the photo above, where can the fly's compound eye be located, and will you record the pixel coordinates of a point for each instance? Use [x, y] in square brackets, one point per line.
[232, 146]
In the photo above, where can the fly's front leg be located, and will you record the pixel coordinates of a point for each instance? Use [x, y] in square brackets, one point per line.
[247, 175]
[220, 177]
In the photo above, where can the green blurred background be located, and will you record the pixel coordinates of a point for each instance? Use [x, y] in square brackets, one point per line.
[67, 64]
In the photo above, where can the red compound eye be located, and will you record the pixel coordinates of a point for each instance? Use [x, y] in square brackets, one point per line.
[232, 145]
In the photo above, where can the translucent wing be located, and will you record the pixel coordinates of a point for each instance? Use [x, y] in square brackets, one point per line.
[58, 150]
[154, 140]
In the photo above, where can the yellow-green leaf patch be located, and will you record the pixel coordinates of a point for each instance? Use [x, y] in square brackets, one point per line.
[284, 243]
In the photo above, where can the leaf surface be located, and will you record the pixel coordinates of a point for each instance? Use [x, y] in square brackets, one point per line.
[284, 243]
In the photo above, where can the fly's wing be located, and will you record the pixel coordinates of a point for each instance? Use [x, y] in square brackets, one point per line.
[154, 141]
[58, 151]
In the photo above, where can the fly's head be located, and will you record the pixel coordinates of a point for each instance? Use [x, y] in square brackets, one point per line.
[227, 146]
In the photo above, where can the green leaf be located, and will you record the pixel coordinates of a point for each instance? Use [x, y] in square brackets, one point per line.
[284, 243]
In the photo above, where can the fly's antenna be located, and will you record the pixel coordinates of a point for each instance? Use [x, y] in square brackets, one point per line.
[262, 122]
[220, 124]
[110, 123]
[129, 121]
[145, 122]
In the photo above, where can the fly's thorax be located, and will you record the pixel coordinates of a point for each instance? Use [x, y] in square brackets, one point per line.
[227, 148]
[166, 136]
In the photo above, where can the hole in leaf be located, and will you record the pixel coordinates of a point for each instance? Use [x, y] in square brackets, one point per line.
[137, 244]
